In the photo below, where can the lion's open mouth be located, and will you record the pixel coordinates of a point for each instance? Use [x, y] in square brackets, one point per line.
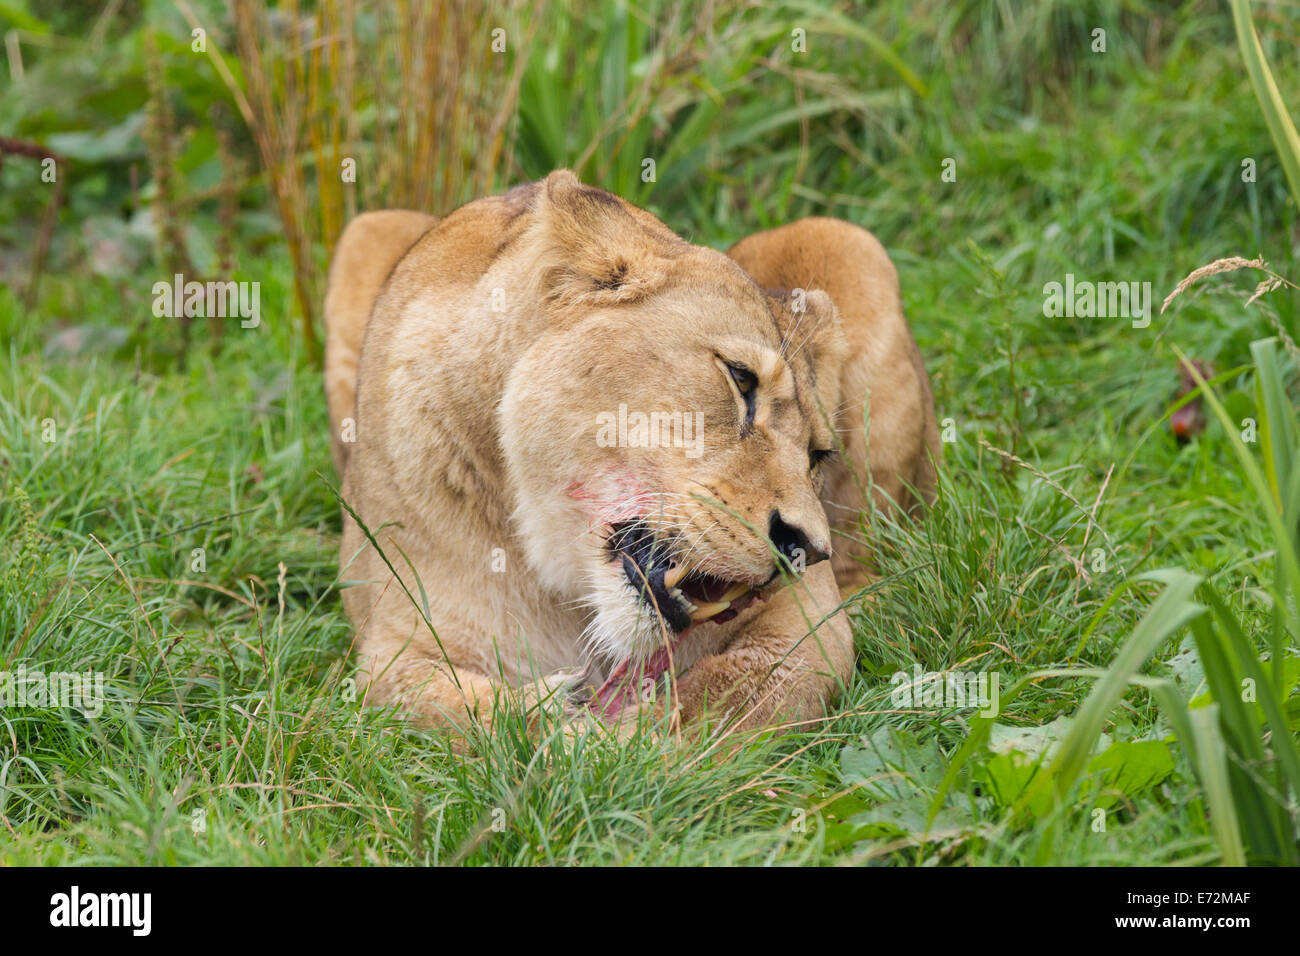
[682, 596]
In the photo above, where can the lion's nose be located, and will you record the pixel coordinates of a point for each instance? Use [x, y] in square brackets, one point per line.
[793, 543]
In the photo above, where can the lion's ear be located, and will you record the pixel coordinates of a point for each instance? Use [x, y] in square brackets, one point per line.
[811, 328]
[811, 323]
[603, 250]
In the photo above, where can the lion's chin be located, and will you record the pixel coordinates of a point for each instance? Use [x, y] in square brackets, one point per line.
[643, 644]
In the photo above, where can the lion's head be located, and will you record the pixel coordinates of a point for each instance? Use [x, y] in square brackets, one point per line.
[666, 433]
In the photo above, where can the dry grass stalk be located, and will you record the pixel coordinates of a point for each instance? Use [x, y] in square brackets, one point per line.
[411, 92]
[1230, 264]
[160, 133]
[276, 98]
[1268, 285]
[45, 233]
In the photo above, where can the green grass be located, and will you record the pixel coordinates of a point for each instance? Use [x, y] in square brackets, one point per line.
[229, 700]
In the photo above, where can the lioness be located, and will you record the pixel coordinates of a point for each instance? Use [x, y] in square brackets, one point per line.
[490, 377]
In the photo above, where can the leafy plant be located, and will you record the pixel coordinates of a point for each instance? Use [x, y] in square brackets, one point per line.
[1249, 761]
[1240, 741]
[673, 83]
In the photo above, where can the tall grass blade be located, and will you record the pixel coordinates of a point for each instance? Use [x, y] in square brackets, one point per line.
[1280, 127]
[1213, 766]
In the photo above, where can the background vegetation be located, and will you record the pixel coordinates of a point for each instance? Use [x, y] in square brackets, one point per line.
[231, 733]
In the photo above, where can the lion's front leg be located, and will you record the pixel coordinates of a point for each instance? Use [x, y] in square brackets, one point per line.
[437, 695]
[788, 663]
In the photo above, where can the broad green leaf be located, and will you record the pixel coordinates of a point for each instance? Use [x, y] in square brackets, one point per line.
[1127, 768]
[892, 764]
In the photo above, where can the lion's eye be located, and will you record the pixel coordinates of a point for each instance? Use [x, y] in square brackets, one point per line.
[818, 456]
[745, 380]
[746, 383]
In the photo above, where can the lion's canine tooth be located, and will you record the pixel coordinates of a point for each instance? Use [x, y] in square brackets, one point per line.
[735, 591]
[706, 611]
[673, 575]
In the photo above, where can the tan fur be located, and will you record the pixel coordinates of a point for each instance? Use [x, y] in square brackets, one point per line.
[365, 255]
[883, 362]
[495, 343]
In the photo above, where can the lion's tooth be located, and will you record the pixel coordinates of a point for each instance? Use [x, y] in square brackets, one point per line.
[735, 591]
[706, 611]
[673, 575]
